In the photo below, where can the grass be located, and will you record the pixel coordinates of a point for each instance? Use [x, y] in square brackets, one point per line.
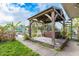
[15, 48]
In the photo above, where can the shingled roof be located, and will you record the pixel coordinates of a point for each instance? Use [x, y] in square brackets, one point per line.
[72, 9]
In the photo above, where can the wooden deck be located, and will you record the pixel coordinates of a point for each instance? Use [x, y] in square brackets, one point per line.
[60, 43]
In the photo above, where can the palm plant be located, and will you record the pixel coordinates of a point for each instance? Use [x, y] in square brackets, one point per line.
[4, 31]
[13, 26]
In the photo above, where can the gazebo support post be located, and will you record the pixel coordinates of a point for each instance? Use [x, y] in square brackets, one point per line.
[71, 28]
[64, 28]
[30, 30]
[53, 28]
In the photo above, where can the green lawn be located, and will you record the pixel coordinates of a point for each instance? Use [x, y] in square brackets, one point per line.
[15, 48]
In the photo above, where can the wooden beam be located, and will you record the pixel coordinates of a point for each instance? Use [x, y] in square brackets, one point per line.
[78, 33]
[42, 13]
[53, 27]
[56, 16]
[48, 16]
[37, 21]
[30, 29]
[51, 17]
[71, 28]
[64, 29]
[59, 14]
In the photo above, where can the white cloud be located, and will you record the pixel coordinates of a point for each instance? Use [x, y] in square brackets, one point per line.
[9, 13]
[3, 7]
[12, 9]
[4, 17]
[22, 15]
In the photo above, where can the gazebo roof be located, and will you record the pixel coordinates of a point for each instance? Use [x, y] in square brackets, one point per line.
[41, 15]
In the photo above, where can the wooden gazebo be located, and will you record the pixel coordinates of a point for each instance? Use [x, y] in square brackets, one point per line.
[50, 15]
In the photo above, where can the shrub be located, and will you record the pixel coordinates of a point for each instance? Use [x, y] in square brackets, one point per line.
[7, 36]
[26, 37]
[34, 35]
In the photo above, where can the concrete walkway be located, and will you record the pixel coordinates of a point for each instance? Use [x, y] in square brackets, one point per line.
[71, 50]
[44, 51]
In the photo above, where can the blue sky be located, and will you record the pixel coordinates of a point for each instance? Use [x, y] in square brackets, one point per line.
[14, 12]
